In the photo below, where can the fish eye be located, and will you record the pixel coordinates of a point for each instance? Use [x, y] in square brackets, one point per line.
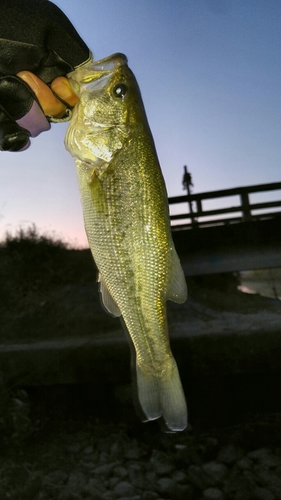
[120, 90]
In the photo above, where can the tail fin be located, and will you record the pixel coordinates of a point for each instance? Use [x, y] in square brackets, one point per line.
[162, 395]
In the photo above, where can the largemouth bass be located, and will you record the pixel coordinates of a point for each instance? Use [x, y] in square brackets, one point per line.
[126, 218]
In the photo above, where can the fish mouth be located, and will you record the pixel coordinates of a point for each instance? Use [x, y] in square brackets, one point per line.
[93, 71]
[109, 63]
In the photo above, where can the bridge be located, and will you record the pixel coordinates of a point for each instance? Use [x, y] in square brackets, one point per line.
[239, 237]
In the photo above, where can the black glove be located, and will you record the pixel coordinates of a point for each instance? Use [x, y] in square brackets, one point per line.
[35, 36]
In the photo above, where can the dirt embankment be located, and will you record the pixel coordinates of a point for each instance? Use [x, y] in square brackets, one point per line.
[49, 292]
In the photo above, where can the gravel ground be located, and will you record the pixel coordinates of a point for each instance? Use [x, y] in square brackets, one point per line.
[54, 456]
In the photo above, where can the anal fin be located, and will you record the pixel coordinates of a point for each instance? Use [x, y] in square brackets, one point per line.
[148, 395]
[177, 289]
[107, 301]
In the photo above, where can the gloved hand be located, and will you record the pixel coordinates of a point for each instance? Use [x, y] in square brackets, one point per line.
[38, 44]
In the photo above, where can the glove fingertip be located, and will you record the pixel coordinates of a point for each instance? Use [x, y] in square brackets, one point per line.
[12, 137]
[34, 121]
[15, 142]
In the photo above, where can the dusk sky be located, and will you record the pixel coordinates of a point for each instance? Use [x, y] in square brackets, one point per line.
[210, 76]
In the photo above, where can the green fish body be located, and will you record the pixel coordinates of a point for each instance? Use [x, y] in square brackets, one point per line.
[127, 222]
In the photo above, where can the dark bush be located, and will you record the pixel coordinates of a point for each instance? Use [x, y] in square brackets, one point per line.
[32, 264]
[30, 261]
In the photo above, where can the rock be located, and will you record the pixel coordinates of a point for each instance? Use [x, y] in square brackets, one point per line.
[163, 469]
[103, 457]
[229, 454]
[209, 474]
[56, 477]
[179, 476]
[88, 450]
[134, 452]
[263, 494]
[265, 458]
[150, 479]
[53, 483]
[238, 482]
[120, 471]
[74, 448]
[257, 454]
[181, 452]
[214, 473]
[94, 489]
[108, 495]
[180, 447]
[243, 494]
[166, 485]
[150, 495]
[106, 469]
[32, 486]
[213, 494]
[182, 492]
[278, 471]
[111, 483]
[211, 442]
[195, 476]
[88, 464]
[151, 476]
[74, 486]
[269, 480]
[116, 449]
[245, 463]
[187, 455]
[158, 456]
[135, 497]
[210, 449]
[136, 475]
[124, 489]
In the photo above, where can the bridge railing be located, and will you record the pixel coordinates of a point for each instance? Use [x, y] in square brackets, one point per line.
[196, 217]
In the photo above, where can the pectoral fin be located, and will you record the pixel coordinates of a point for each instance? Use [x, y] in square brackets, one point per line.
[107, 301]
[177, 290]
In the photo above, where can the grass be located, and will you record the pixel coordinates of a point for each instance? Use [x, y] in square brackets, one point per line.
[47, 290]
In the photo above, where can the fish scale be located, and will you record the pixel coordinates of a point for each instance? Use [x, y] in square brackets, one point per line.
[127, 222]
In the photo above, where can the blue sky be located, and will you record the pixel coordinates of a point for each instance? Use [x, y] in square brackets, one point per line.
[210, 76]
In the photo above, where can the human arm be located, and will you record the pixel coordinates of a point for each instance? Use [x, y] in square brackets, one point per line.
[39, 46]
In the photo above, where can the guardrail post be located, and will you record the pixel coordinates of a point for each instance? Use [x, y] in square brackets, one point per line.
[246, 208]
[199, 207]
